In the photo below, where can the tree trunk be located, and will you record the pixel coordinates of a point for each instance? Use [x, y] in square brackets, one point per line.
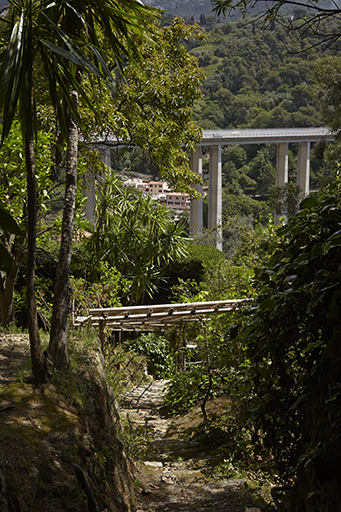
[58, 346]
[6, 295]
[40, 365]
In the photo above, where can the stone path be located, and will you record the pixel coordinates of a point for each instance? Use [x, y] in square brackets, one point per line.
[175, 473]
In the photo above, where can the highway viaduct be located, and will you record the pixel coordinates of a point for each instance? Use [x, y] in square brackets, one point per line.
[215, 139]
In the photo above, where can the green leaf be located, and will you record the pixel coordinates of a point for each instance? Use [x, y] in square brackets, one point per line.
[333, 241]
[232, 332]
[5, 259]
[332, 398]
[318, 249]
[312, 345]
[331, 245]
[334, 236]
[268, 304]
[291, 279]
[302, 258]
[7, 223]
[301, 459]
[308, 202]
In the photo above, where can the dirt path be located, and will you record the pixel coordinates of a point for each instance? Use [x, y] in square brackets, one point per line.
[177, 474]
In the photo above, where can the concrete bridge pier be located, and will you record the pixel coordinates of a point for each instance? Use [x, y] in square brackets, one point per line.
[104, 152]
[89, 193]
[303, 169]
[282, 175]
[196, 211]
[214, 195]
[303, 172]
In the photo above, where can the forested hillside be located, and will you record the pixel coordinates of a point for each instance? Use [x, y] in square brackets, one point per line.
[258, 78]
[195, 9]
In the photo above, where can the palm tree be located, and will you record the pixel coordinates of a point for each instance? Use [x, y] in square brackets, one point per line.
[16, 90]
[63, 36]
[80, 20]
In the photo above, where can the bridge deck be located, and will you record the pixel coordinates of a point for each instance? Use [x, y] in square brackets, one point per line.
[243, 136]
[265, 135]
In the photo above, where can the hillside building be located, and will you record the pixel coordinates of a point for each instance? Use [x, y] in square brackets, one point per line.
[160, 191]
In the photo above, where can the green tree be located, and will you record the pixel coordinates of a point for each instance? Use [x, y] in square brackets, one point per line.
[25, 33]
[33, 28]
[13, 196]
[135, 235]
[153, 103]
[81, 22]
[327, 92]
[152, 108]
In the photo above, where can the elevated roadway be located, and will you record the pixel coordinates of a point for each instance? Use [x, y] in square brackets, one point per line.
[264, 136]
[215, 139]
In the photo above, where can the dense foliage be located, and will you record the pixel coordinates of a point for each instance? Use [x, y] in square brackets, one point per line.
[155, 347]
[293, 344]
[135, 235]
[278, 361]
[152, 105]
[258, 78]
[211, 343]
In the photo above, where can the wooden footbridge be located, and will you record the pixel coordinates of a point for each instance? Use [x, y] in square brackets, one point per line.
[137, 318]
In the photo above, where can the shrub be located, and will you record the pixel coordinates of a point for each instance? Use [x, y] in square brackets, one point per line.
[156, 349]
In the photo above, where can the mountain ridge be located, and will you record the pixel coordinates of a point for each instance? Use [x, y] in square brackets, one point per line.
[185, 8]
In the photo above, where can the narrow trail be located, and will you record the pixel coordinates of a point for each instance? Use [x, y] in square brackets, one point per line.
[176, 471]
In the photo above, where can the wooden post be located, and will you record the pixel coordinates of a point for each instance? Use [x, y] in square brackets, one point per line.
[101, 333]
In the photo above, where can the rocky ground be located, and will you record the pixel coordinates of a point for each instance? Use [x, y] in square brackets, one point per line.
[177, 473]
[45, 431]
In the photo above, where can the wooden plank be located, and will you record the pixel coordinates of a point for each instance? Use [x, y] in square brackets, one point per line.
[82, 319]
[159, 315]
[147, 309]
